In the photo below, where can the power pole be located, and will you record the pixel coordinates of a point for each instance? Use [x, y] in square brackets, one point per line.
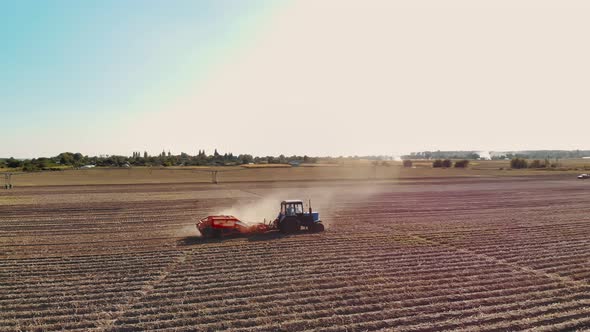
[7, 180]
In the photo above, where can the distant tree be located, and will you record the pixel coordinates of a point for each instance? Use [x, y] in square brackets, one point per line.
[462, 163]
[145, 155]
[437, 163]
[66, 158]
[407, 163]
[537, 164]
[78, 157]
[42, 162]
[518, 163]
[473, 155]
[447, 163]
[13, 163]
[245, 158]
[29, 166]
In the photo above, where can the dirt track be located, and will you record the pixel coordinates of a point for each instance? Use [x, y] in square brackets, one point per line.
[472, 254]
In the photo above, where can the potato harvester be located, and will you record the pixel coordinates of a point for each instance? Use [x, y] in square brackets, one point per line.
[291, 219]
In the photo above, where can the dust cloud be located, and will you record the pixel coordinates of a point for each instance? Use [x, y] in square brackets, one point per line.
[324, 200]
[265, 208]
[187, 230]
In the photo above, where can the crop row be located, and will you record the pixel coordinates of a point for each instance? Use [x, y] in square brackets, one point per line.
[415, 310]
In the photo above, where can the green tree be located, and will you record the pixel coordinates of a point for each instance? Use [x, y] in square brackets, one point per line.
[462, 163]
[245, 159]
[14, 163]
[518, 163]
[66, 158]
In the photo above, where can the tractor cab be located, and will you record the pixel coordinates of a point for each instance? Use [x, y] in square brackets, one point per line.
[291, 208]
[292, 217]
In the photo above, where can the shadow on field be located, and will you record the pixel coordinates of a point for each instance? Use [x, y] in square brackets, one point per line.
[270, 236]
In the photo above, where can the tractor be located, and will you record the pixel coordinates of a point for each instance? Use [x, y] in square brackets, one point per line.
[291, 219]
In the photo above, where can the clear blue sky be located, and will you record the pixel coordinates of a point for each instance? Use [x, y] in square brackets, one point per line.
[71, 69]
[315, 77]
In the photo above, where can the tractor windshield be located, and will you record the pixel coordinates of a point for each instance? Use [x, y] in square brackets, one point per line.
[291, 209]
[298, 208]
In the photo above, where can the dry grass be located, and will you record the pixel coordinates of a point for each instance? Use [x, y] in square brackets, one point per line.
[357, 170]
[266, 166]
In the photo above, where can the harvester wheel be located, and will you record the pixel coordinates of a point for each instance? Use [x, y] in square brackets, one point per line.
[317, 227]
[289, 226]
[207, 233]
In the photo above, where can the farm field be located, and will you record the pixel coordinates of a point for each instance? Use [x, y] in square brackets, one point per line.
[350, 170]
[471, 253]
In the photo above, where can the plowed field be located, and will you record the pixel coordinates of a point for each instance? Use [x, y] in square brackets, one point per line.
[488, 254]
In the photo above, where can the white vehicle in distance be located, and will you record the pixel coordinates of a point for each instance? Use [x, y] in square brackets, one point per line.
[584, 176]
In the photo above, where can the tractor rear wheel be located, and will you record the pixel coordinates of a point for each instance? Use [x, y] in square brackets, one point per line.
[289, 226]
[317, 227]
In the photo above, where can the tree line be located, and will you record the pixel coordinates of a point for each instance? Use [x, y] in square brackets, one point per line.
[441, 163]
[519, 163]
[69, 159]
[442, 155]
[500, 155]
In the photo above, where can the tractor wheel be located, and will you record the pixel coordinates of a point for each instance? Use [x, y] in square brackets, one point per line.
[317, 227]
[289, 226]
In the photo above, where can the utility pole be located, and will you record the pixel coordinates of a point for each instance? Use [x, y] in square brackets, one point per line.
[7, 180]
[214, 177]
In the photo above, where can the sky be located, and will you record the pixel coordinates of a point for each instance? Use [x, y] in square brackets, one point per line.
[270, 77]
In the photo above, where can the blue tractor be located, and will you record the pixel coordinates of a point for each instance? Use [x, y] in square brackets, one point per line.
[292, 218]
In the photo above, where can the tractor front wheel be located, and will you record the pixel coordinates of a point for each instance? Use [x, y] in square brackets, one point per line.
[317, 227]
[289, 226]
